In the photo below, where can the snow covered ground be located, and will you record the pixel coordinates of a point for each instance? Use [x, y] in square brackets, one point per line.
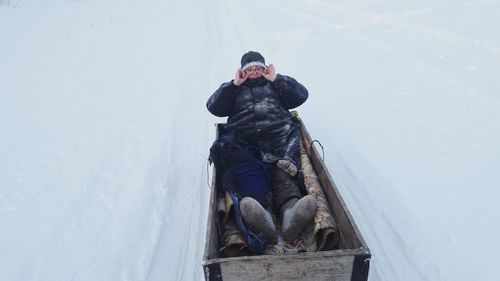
[104, 131]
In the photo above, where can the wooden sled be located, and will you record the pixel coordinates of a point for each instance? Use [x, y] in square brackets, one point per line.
[349, 261]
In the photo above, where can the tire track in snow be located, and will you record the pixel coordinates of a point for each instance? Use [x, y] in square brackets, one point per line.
[331, 12]
[181, 241]
[356, 22]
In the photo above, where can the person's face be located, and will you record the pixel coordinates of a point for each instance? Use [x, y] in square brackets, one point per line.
[254, 71]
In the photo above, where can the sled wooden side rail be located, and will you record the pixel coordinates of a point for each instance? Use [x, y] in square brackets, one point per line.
[349, 262]
[212, 235]
[350, 237]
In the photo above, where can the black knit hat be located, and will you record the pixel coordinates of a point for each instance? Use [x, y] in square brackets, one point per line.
[252, 58]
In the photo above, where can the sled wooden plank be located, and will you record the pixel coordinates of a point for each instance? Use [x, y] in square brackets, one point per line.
[327, 265]
[349, 234]
[290, 268]
[211, 236]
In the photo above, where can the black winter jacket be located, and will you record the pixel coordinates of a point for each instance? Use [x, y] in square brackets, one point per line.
[258, 110]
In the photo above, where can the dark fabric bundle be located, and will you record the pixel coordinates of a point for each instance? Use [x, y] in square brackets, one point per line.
[240, 170]
[248, 180]
[241, 173]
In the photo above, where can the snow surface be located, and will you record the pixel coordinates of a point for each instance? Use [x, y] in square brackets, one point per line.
[104, 131]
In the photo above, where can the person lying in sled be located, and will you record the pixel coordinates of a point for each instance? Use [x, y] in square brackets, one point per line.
[259, 149]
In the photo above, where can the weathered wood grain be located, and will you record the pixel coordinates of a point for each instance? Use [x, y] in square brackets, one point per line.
[350, 237]
[212, 235]
[289, 268]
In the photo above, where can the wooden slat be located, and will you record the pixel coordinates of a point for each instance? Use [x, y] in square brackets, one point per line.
[212, 236]
[306, 255]
[286, 268]
[350, 236]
